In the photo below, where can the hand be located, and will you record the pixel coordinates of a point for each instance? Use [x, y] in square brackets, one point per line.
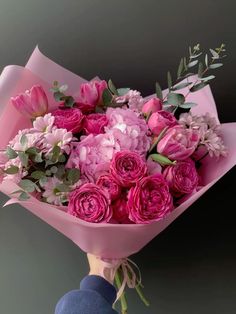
[97, 268]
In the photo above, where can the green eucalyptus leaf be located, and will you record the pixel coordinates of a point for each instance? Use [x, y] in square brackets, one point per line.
[32, 151]
[215, 55]
[159, 91]
[62, 158]
[27, 185]
[53, 169]
[175, 99]
[180, 86]
[180, 68]
[37, 158]
[192, 63]
[73, 175]
[23, 140]
[188, 105]
[106, 97]
[207, 78]
[69, 101]
[197, 87]
[169, 80]
[11, 153]
[62, 187]
[215, 65]
[206, 60]
[112, 87]
[200, 69]
[37, 174]
[60, 172]
[12, 170]
[23, 196]
[24, 158]
[58, 96]
[123, 91]
[43, 181]
[185, 64]
[162, 160]
[196, 56]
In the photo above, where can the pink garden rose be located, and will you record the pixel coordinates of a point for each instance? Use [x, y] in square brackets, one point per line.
[32, 103]
[150, 200]
[152, 105]
[108, 183]
[70, 119]
[90, 95]
[159, 120]
[90, 203]
[182, 177]
[178, 143]
[120, 211]
[127, 167]
[94, 123]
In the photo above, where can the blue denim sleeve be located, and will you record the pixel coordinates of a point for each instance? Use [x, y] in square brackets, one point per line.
[96, 296]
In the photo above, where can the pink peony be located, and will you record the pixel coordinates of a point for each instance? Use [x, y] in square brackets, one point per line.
[182, 177]
[91, 95]
[109, 184]
[150, 200]
[70, 119]
[94, 123]
[32, 103]
[90, 203]
[152, 105]
[178, 143]
[159, 120]
[120, 211]
[127, 167]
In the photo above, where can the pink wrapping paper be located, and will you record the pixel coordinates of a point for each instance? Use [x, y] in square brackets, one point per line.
[106, 240]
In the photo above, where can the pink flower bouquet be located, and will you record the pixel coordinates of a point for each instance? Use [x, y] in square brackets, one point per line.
[104, 166]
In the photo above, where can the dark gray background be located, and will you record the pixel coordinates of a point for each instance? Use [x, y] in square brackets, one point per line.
[190, 267]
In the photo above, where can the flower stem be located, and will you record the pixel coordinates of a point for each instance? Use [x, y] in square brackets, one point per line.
[141, 295]
[123, 301]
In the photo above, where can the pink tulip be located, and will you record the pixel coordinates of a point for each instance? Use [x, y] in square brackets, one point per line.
[151, 106]
[32, 103]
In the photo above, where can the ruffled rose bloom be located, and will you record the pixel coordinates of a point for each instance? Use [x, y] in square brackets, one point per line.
[90, 203]
[152, 105]
[70, 119]
[159, 120]
[108, 183]
[90, 95]
[120, 211]
[127, 167]
[32, 103]
[182, 177]
[150, 200]
[178, 143]
[95, 123]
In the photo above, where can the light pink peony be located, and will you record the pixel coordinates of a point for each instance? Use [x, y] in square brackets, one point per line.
[127, 167]
[90, 203]
[109, 184]
[120, 211]
[70, 119]
[32, 103]
[150, 200]
[95, 123]
[152, 105]
[159, 120]
[182, 177]
[178, 143]
[90, 95]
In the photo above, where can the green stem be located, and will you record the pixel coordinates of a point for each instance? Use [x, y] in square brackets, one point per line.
[141, 295]
[123, 301]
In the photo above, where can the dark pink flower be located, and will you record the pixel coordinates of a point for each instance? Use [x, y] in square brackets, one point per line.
[120, 211]
[90, 95]
[152, 105]
[127, 167]
[109, 184]
[150, 200]
[159, 120]
[182, 177]
[91, 203]
[95, 123]
[178, 143]
[70, 119]
[32, 103]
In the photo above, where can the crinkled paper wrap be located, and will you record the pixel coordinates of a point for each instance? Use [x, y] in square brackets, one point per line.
[106, 240]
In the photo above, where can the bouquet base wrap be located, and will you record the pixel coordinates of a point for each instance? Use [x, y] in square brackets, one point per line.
[114, 241]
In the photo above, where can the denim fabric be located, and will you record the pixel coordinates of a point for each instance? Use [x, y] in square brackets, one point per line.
[96, 296]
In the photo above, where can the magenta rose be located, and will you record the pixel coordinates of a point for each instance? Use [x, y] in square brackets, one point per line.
[182, 177]
[108, 183]
[120, 211]
[178, 143]
[90, 95]
[127, 167]
[70, 119]
[152, 105]
[150, 200]
[160, 120]
[90, 203]
[95, 123]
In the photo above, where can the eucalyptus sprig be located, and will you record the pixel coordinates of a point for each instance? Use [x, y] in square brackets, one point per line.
[109, 95]
[59, 94]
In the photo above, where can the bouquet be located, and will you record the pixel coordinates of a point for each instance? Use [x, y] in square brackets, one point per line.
[105, 166]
